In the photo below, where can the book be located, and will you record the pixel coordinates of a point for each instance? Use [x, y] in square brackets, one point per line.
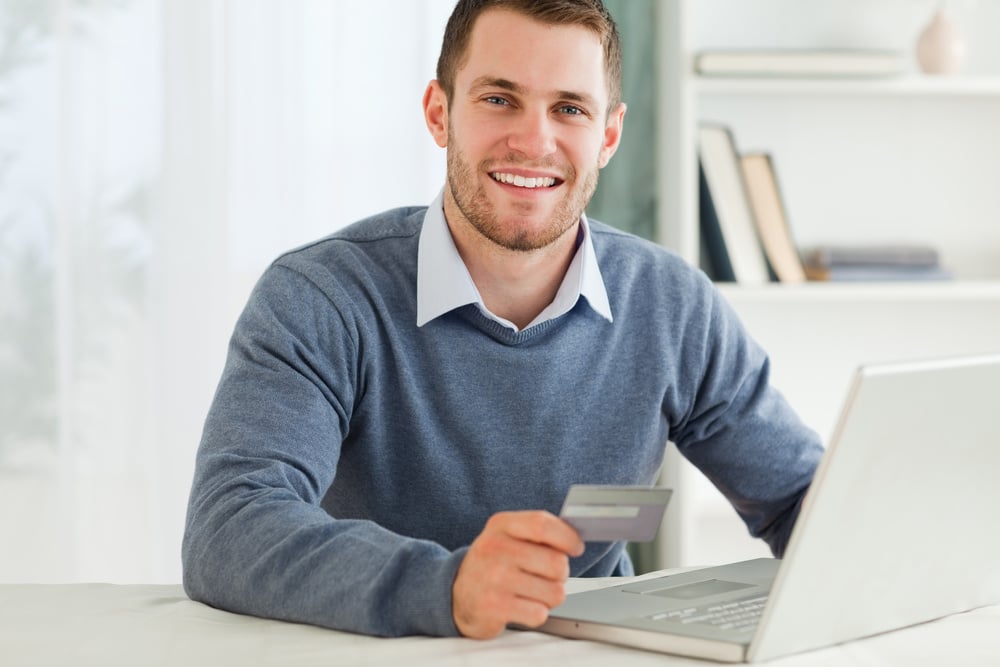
[714, 258]
[876, 273]
[733, 219]
[869, 255]
[901, 262]
[770, 217]
[801, 62]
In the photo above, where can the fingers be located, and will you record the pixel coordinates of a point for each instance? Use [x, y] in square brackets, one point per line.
[541, 528]
[543, 562]
[513, 572]
[546, 592]
[538, 543]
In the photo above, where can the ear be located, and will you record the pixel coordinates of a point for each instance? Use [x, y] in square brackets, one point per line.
[612, 135]
[436, 113]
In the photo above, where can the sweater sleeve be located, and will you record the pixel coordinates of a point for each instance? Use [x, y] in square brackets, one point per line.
[741, 432]
[256, 539]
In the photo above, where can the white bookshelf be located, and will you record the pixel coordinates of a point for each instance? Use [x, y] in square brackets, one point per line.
[911, 158]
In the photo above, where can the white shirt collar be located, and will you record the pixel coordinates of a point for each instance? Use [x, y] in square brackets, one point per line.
[444, 283]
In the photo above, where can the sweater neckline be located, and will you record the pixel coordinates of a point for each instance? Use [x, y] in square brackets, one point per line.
[504, 334]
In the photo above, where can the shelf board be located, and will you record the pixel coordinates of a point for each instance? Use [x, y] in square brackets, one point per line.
[908, 85]
[986, 291]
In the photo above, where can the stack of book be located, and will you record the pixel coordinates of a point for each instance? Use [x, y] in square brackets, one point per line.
[902, 262]
[746, 237]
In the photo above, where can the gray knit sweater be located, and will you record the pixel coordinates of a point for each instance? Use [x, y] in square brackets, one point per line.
[349, 457]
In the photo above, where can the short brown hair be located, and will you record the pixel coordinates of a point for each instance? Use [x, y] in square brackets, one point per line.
[587, 13]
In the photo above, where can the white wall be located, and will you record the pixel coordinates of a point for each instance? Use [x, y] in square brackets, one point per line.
[154, 157]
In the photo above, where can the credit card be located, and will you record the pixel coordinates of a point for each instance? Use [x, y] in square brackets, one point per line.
[613, 513]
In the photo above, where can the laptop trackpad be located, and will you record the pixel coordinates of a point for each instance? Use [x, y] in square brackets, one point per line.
[699, 589]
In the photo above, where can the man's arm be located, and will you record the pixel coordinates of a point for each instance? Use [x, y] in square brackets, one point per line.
[741, 432]
[257, 540]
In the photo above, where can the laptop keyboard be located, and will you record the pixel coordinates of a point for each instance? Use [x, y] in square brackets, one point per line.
[736, 615]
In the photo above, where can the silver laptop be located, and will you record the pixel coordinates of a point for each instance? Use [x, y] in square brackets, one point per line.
[898, 528]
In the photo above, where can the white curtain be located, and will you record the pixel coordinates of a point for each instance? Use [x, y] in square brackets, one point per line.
[155, 155]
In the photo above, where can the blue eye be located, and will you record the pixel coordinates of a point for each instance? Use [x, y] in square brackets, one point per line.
[494, 99]
[571, 110]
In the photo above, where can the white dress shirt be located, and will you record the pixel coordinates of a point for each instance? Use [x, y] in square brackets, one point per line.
[444, 282]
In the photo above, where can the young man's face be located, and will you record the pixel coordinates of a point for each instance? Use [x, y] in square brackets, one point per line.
[527, 129]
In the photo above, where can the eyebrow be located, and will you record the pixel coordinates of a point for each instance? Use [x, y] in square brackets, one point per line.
[514, 87]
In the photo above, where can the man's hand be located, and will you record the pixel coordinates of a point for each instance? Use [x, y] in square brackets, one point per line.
[513, 573]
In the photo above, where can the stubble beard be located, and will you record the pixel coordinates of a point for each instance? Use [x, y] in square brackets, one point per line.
[474, 204]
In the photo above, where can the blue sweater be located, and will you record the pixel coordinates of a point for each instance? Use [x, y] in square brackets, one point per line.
[349, 458]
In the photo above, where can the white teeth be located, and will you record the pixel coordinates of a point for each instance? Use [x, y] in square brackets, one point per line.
[522, 182]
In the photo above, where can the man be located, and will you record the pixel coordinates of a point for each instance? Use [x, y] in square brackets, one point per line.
[406, 402]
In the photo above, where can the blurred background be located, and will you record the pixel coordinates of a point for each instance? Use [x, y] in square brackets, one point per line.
[155, 156]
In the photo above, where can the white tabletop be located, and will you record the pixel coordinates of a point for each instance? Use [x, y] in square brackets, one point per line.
[106, 625]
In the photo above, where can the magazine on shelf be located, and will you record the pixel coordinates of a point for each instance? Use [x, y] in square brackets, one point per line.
[875, 262]
[901, 254]
[801, 63]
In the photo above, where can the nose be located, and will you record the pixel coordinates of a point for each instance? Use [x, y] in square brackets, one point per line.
[533, 134]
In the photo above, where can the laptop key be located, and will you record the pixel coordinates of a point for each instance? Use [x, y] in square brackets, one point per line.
[736, 615]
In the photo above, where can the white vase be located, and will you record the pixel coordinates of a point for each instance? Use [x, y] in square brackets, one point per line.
[941, 46]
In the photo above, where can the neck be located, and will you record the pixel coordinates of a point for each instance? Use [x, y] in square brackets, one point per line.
[514, 284]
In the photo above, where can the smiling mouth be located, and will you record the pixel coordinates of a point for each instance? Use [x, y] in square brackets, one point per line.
[524, 182]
